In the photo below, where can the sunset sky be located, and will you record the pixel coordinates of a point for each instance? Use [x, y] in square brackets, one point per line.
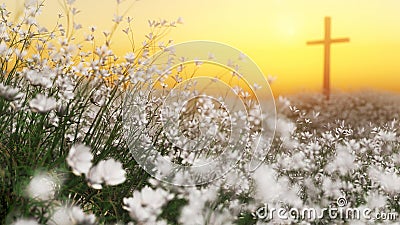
[273, 33]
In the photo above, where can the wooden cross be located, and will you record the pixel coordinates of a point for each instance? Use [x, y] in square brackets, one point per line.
[327, 51]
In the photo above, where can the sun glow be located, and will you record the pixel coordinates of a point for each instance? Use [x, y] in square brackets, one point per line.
[272, 32]
[287, 26]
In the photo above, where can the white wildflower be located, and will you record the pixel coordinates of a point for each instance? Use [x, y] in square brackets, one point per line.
[70, 2]
[42, 187]
[31, 3]
[196, 211]
[92, 28]
[20, 54]
[43, 79]
[117, 18]
[297, 161]
[79, 217]
[61, 216]
[390, 182]
[271, 189]
[130, 57]
[108, 171]
[285, 128]
[242, 56]
[257, 86]
[80, 159]
[396, 159]
[162, 166]
[89, 37]
[65, 215]
[3, 49]
[25, 222]
[387, 135]
[376, 200]
[179, 20]
[331, 187]
[271, 79]
[77, 26]
[10, 93]
[145, 205]
[42, 104]
[344, 161]
[211, 56]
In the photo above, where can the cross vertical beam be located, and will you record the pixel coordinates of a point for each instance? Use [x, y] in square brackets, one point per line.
[327, 53]
[327, 58]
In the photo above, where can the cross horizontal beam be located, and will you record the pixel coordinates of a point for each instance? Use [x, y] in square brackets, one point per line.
[337, 40]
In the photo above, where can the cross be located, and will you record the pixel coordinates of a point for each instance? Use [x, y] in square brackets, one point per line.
[327, 51]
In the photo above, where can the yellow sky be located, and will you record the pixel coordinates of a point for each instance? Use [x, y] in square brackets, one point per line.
[273, 33]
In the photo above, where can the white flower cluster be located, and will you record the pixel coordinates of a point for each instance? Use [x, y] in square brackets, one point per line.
[310, 167]
[63, 215]
[10, 93]
[107, 171]
[42, 104]
[25, 222]
[43, 187]
[146, 205]
[53, 93]
[66, 215]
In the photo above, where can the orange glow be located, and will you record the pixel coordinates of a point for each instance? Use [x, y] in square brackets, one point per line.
[271, 32]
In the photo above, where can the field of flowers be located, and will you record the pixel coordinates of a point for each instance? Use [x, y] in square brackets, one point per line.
[70, 134]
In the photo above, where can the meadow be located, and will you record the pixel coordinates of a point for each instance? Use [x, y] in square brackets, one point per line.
[80, 124]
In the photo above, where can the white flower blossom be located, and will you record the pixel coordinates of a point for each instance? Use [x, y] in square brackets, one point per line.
[42, 104]
[3, 49]
[80, 159]
[387, 136]
[390, 182]
[79, 217]
[271, 189]
[179, 20]
[344, 161]
[376, 200]
[271, 79]
[60, 216]
[145, 205]
[331, 187]
[117, 18]
[70, 2]
[130, 57]
[197, 210]
[10, 93]
[43, 79]
[42, 187]
[107, 171]
[66, 215]
[25, 222]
